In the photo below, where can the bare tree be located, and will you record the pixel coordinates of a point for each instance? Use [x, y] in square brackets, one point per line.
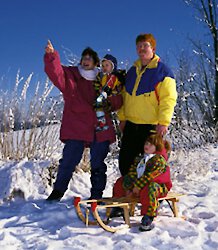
[194, 114]
[207, 11]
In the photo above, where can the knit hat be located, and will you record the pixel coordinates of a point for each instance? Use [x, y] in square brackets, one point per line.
[112, 59]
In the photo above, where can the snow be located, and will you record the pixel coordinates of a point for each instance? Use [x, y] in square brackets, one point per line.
[27, 221]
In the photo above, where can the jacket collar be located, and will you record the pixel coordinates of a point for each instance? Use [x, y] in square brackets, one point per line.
[153, 63]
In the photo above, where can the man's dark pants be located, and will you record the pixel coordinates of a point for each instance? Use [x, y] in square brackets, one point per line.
[132, 144]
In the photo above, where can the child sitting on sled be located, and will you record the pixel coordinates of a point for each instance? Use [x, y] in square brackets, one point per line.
[109, 82]
[148, 179]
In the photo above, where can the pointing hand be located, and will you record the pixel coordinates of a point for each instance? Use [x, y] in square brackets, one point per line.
[49, 47]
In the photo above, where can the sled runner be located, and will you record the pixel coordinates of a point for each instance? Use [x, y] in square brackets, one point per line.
[83, 208]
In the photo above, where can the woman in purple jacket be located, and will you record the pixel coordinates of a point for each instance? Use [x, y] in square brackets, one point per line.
[79, 120]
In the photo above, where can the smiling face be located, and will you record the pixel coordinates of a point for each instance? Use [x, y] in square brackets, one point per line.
[145, 52]
[87, 62]
[149, 148]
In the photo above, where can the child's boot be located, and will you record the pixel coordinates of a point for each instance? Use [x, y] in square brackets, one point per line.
[146, 223]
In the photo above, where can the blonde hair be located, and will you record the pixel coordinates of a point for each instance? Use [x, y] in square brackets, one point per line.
[158, 141]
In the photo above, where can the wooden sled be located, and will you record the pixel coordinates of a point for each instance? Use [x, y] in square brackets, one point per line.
[128, 205]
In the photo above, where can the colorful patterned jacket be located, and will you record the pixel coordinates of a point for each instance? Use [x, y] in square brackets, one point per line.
[149, 95]
[157, 170]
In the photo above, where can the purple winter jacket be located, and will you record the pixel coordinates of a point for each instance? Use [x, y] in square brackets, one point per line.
[79, 118]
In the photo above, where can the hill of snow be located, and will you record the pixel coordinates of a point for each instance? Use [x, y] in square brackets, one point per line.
[27, 221]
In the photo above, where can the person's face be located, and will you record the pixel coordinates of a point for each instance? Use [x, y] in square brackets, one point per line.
[149, 148]
[106, 66]
[87, 62]
[145, 51]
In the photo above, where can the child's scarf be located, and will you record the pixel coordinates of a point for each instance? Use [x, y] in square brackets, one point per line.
[142, 164]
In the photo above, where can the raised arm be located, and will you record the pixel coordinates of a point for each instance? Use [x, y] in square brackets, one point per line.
[53, 67]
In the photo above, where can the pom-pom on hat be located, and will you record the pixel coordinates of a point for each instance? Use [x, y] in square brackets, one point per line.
[112, 59]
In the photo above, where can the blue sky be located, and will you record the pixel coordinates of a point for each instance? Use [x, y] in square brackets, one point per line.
[25, 26]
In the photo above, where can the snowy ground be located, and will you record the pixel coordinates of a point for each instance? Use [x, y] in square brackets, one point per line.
[28, 222]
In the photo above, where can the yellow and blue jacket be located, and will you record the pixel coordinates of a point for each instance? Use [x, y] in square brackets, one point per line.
[149, 95]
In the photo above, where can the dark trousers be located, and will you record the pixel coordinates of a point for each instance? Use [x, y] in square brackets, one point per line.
[72, 154]
[132, 144]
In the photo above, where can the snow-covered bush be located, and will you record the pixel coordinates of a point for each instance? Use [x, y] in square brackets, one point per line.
[24, 130]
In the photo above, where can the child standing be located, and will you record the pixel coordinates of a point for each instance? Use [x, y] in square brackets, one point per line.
[109, 83]
[148, 179]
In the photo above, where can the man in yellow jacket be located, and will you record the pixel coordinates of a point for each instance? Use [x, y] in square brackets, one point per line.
[149, 101]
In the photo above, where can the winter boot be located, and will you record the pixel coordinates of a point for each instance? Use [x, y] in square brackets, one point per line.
[146, 223]
[55, 195]
[116, 212]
